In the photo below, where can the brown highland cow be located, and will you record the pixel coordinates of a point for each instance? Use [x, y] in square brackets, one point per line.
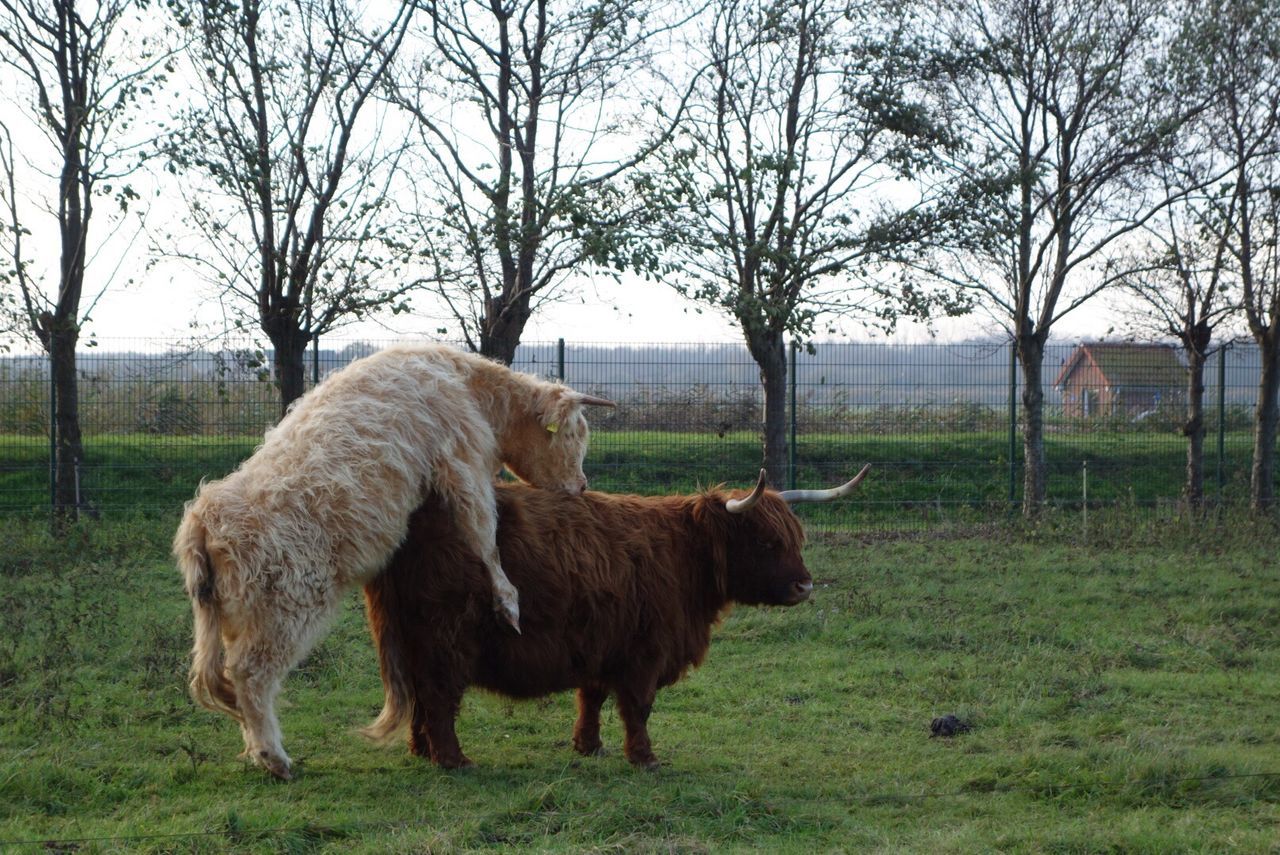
[619, 595]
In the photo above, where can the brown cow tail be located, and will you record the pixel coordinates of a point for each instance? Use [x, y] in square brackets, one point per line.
[209, 684]
[397, 703]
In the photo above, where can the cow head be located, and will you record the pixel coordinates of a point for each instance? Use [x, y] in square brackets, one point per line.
[547, 445]
[762, 555]
[755, 543]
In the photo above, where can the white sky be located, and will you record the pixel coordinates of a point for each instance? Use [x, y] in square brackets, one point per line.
[602, 310]
[160, 305]
[163, 302]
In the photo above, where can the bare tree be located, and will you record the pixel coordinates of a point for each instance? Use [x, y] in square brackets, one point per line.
[532, 115]
[1064, 121]
[1180, 282]
[1234, 46]
[82, 68]
[787, 163]
[298, 166]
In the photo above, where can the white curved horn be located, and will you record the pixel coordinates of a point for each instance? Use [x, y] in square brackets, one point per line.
[593, 401]
[793, 496]
[741, 506]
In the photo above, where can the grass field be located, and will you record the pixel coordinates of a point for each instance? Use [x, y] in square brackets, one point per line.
[1124, 691]
[917, 478]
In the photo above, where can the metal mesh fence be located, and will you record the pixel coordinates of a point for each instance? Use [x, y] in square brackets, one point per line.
[937, 421]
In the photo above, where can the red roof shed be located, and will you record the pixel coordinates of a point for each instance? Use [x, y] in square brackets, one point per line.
[1107, 378]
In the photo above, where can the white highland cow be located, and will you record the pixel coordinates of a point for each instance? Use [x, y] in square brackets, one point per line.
[268, 551]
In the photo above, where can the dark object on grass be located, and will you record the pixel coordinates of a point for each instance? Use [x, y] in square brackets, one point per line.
[948, 725]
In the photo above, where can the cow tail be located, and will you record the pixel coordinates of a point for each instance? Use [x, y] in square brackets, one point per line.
[397, 702]
[209, 684]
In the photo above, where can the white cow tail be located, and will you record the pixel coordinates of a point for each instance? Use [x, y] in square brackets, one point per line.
[209, 684]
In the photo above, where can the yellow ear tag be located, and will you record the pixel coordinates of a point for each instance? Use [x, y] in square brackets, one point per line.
[553, 427]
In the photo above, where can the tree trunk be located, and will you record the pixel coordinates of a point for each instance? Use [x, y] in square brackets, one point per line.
[1193, 490]
[1031, 358]
[62, 330]
[770, 354]
[68, 450]
[500, 330]
[1262, 478]
[290, 366]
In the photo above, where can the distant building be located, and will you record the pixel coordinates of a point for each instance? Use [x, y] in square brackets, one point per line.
[1106, 378]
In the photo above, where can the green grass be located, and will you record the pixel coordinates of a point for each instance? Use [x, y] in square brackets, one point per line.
[1124, 689]
[916, 478]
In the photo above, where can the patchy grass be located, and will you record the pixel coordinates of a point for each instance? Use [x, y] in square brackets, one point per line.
[1124, 694]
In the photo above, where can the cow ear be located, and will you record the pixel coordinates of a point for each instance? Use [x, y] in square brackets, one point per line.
[553, 407]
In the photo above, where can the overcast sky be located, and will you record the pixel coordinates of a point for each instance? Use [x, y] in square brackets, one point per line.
[159, 304]
[162, 302]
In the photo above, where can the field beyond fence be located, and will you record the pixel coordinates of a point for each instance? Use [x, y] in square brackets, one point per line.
[935, 421]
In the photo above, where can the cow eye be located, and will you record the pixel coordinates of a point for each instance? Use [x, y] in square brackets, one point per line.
[768, 545]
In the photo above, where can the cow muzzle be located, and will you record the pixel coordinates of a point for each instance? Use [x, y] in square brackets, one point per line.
[800, 592]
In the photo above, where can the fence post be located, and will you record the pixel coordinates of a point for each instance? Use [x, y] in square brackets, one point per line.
[315, 360]
[1222, 419]
[791, 450]
[560, 359]
[1084, 498]
[53, 429]
[1013, 421]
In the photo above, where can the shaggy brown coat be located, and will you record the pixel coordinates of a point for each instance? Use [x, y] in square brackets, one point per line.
[619, 595]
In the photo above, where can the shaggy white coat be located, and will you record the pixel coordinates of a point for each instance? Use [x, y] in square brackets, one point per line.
[268, 551]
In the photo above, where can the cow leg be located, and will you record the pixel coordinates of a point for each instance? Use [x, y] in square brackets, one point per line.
[586, 732]
[432, 733]
[256, 674]
[258, 660]
[635, 702]
[476, 516]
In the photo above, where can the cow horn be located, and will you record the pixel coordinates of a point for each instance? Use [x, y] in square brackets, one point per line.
[793, 496]
[593, 401]
[741, 506]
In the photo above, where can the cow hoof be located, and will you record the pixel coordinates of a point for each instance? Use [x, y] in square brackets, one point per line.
[509, 612]
[460, 762]
[649, 763]
[596, 750]
[278, 766]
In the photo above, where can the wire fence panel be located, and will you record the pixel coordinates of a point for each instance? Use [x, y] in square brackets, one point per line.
[941, 423]
[688, 415]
